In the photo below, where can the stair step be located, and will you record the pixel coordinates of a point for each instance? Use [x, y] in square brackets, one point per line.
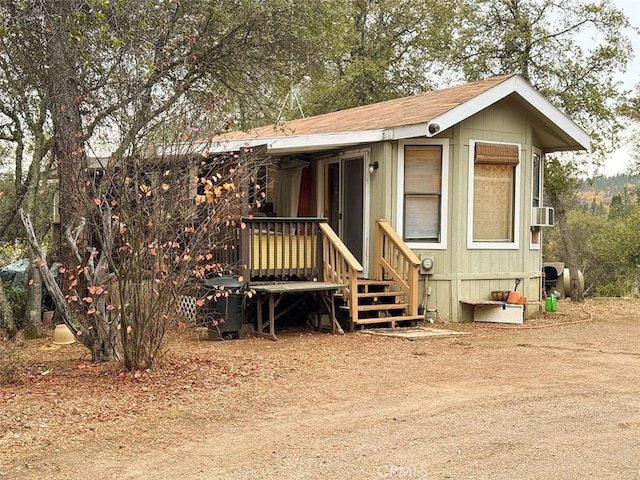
[378, 307]
[380, 294]
[365, 281]
[381, 307]
[401, 318]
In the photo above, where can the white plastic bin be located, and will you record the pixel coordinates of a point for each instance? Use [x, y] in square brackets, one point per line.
[505, 313]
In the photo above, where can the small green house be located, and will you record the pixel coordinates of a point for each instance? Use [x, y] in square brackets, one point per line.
[438, 194]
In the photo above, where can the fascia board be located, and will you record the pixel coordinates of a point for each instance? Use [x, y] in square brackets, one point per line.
[277, 144]
[412, 131]
[291, 142]
[233, 145]
[205, 148]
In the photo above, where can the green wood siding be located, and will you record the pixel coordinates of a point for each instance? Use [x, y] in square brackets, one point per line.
[459, 272]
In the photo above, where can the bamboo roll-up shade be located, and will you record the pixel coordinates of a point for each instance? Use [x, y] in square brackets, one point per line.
[496, 153]
[493, 199]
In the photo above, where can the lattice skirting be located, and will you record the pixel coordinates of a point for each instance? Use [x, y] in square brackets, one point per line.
[187, 309]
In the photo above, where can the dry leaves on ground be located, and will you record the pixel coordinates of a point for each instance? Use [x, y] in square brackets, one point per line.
[57, 399]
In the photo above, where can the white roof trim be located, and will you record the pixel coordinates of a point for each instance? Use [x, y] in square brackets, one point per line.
[292, 142]
[277, 144]
[204, 148]
[527, 92]
[411, 131]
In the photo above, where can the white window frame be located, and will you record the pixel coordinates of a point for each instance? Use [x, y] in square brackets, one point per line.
[537, 151]
[444, 198]
[471, 243]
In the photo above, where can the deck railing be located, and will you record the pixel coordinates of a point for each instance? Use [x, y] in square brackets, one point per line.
[282, 248]
[271, 248]
[226, 247]
[340, 266]
[394, 259]
[263, 248]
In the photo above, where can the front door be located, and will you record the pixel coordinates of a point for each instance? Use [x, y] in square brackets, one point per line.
[344, 200]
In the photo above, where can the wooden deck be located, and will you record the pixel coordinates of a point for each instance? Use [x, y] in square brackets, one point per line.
[274, 292]
[279, 257]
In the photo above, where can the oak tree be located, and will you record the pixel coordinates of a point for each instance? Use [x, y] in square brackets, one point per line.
[114, 73]
[573, 53]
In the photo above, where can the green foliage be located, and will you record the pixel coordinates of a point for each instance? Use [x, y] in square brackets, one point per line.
[540, 40]
[382, 49]
[561, 176]
[10, 252]
[616, 288]
[608, 248]
[616, 209]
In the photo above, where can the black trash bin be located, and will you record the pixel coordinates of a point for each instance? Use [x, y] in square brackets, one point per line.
[223, 311]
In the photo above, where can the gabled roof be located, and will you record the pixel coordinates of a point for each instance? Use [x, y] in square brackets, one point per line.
[421, 115]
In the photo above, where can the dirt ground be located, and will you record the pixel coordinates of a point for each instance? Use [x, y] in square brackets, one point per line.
[556, 398]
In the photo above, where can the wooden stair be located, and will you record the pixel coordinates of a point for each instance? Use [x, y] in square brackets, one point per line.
[389, 300]
[378, 304]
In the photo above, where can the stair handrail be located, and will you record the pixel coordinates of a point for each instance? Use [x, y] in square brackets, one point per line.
[394, 257]
[340, 266]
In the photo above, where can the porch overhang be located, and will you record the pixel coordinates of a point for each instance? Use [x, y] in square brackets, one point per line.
[304, 143]
[298, 143]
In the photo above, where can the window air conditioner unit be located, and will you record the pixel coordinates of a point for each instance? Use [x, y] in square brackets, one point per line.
[542, 217]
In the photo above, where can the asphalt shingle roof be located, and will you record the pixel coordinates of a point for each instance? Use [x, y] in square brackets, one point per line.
[400, 112]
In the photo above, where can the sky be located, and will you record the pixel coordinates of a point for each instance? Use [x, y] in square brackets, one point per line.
[619, 160]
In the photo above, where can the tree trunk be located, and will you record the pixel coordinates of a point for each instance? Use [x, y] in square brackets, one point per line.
[105, 347]
[635, 290]
[33, 328]
[576, 292]
[68, 146]
[7, 314]
[102, 340]
[75, 192]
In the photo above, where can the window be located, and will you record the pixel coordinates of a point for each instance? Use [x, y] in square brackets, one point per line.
[536, 175]
[423, 186]
[493, 195]
[536, 194]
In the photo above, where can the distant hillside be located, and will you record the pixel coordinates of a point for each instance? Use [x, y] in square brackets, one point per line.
[603, 188]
